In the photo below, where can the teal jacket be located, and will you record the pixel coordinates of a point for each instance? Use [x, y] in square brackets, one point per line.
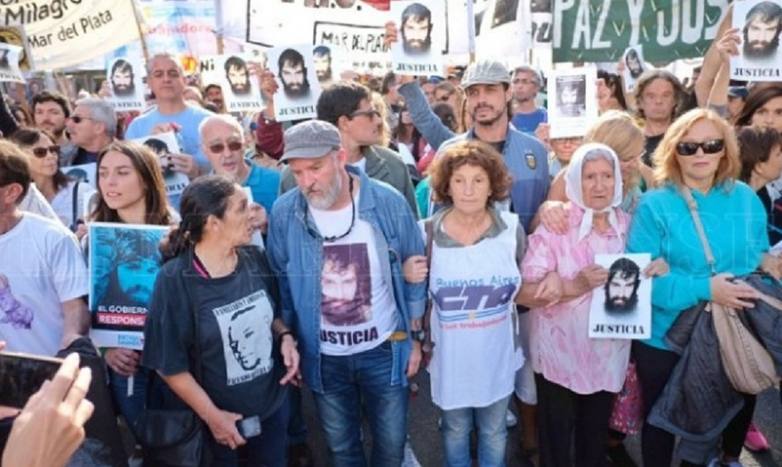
[735, 224]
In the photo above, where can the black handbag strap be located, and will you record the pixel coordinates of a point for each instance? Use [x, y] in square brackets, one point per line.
[75, 206]
[195, 358]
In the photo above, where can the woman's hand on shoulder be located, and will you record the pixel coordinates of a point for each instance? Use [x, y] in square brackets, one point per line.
[414, 269]
[554, 216]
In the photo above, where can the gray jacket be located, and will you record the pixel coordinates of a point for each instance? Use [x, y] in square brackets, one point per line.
[382, 164]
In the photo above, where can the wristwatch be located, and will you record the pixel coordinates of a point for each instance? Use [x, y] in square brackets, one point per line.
[419, 335]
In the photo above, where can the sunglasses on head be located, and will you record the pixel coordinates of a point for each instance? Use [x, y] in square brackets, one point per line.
[41, 152]
[232, 146]
[711, 146]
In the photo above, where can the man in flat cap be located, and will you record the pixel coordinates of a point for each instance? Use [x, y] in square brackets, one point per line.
[337, 242]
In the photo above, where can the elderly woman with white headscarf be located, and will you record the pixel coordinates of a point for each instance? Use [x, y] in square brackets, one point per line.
[576, 377]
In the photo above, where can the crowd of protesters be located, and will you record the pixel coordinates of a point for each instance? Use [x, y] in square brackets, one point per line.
[417, 225]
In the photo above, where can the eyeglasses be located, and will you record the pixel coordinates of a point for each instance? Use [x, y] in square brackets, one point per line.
[366, 113]
[220, 147]
[78, 119]
[41, 152]
[352, 218]
[711, 146]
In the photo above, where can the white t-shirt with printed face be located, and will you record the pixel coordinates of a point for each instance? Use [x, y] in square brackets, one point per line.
[358, 310]
[41, 266]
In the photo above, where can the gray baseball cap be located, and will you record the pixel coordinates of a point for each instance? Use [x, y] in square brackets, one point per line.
[310, 140]
[485, 72]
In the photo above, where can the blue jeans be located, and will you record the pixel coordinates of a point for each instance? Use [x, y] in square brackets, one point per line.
[349, 380]
[269, 449]
[129, 406]
[492, 434]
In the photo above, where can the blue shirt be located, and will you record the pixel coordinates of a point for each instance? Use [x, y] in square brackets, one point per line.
[188, 121]
[528, 122]
[295, 251]
[735, 225]
[264, 184]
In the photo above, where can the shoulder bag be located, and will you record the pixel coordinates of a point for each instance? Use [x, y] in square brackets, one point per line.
[747, 364]
[176, 437]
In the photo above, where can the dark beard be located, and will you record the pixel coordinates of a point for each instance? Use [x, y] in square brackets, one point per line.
[627, 306]
[125, 90]
[766, 51]
[421, 47]
[301, 91]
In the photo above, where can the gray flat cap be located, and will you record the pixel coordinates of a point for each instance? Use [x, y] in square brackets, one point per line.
[310, 140]
[485, 72]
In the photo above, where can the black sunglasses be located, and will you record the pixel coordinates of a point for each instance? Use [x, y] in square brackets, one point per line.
[78, 119]
[41, 152]
[711, 146]
[232, 146]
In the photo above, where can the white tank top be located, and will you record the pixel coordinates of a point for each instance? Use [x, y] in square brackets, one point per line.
[473, 320]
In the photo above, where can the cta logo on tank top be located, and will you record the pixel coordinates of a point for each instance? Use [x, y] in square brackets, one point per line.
[470, 303]
[346, 296]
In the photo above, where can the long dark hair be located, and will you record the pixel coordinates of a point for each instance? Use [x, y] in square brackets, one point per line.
[206, 196]
[757, 98]
[26, 137]
[145, 162]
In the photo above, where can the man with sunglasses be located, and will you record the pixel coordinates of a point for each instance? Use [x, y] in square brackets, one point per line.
[337, 242]
[91, 127]
[222, 140]
[166, 79]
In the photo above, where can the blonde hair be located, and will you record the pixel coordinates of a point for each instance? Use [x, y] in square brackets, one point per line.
[667, 166]
[619, 131]
[378, 104]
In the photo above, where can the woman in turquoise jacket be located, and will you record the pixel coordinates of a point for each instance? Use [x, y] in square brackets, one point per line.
[699, 153]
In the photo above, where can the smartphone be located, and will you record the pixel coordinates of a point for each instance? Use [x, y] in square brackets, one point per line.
[249, 426]
[22, 375]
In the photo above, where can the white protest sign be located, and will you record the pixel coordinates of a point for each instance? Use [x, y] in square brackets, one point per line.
[64, 33]
[634, 66]
[760, 24]
[622, 308]
[418, 51]
[126, 81]
[9, 63]
[163, 145]
[299, 88]
[232, 73]
[572, 101]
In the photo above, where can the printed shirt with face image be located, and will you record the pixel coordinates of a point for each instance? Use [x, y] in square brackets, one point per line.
[358, 311]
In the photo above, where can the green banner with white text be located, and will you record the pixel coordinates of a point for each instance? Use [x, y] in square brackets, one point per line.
[601, 30]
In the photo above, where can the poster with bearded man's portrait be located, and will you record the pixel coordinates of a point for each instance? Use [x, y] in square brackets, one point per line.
[418, 50]
[298, 84]
[125, 76]
[622, 307]
[759, 23]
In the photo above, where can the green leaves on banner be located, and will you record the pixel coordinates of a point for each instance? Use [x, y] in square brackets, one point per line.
[600, 30]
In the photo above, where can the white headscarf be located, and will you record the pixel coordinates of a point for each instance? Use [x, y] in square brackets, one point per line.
[574, 190]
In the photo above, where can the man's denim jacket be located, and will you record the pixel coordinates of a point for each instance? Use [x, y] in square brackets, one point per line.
[295, 250]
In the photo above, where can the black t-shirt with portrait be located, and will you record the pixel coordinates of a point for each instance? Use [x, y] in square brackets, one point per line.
[240, 361]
